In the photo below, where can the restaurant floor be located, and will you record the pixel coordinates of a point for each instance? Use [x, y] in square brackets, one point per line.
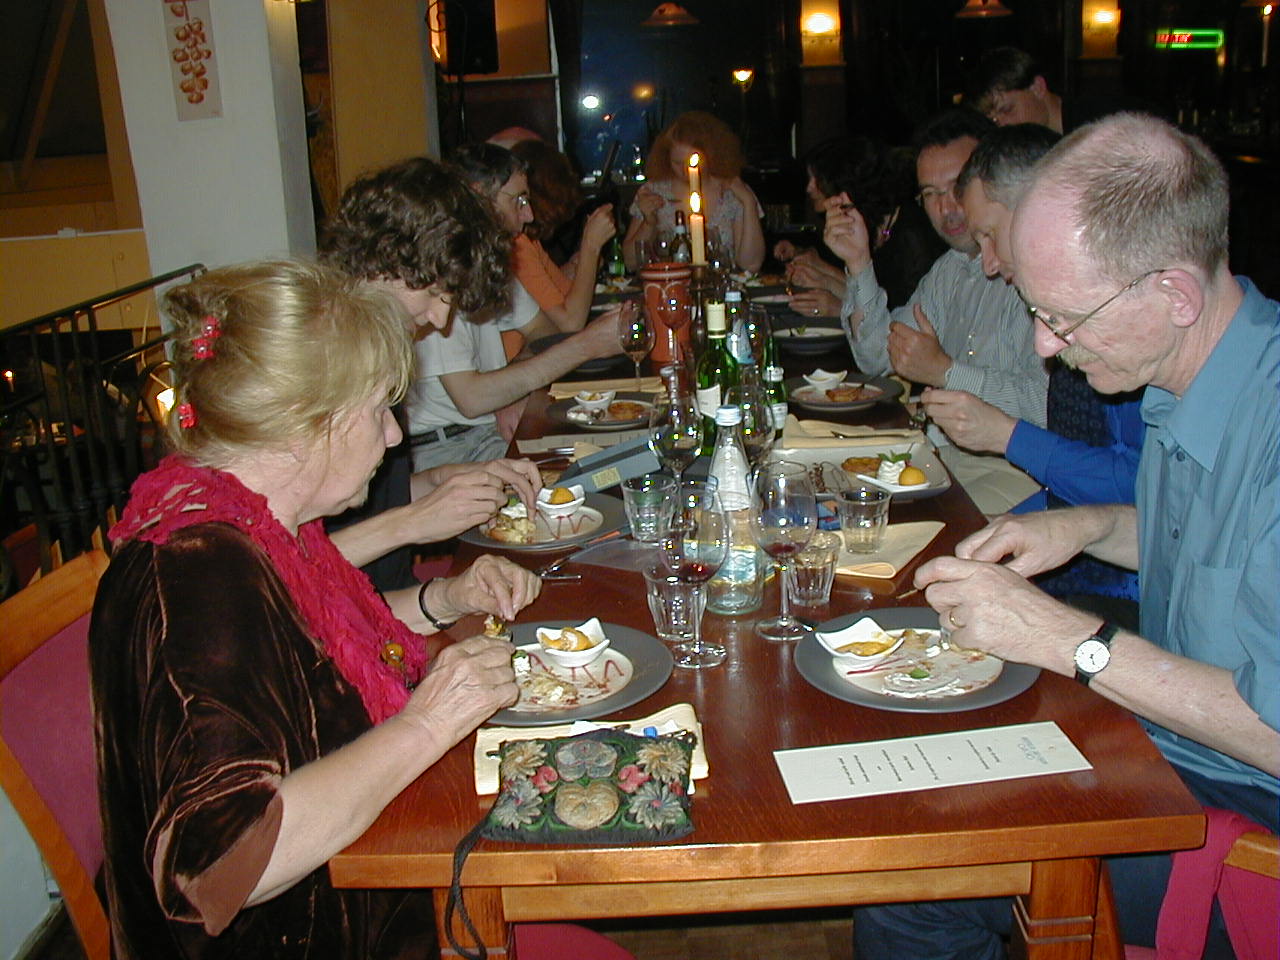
[790, 935]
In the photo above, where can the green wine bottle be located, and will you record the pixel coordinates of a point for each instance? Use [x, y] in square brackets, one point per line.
[716, 372]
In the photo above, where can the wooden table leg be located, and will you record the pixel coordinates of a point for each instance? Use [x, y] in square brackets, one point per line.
[484, 904]
[1055, 921]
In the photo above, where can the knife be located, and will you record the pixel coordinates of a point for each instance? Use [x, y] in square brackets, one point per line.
[551, 568]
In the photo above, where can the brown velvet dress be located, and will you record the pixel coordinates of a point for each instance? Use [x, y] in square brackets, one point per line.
[208, 691]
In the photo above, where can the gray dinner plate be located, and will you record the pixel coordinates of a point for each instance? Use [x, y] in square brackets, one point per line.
[613, 516]
[650, 660]
[558, 413]
[814, 663]
[890, 391]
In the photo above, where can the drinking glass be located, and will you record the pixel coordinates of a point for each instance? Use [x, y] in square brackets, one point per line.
[675, 430]
[756, 428]
[673, 314]
[635, 334]
[784, 516]
[864, 515]
[693, 549]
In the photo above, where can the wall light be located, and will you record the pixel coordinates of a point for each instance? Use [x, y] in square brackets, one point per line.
[1099, 29]
[642, 91]
[819, 25]
[743, 77]
[983, 8]
[590, 102]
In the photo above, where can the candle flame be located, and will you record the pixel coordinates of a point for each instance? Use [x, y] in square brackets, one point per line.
[695, 201]
[694, 159]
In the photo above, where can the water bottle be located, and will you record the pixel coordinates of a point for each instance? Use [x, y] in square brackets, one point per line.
[738, 586]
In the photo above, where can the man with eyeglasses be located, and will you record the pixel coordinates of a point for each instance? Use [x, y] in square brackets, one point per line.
[467, 397]
[959, 330]
[1120, 244]
[1089, 452]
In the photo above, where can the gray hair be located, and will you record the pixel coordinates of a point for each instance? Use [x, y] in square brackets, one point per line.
[1004, 161]
[1146, 195]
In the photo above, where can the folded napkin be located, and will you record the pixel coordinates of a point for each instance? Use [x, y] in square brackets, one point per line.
[902, 541]
[820, 433]
[564, 390]
[680, 716]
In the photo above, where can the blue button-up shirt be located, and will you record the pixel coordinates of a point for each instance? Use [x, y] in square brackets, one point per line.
[1208, 498]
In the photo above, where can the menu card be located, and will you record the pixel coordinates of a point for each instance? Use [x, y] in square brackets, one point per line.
[846, 770]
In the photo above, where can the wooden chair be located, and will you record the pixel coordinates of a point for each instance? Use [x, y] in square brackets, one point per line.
[47, 761]
[1256, 852]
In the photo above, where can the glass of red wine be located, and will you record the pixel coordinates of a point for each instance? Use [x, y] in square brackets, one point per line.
[693, 550]
[784, 515]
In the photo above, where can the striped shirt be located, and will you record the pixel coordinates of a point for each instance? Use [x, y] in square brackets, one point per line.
[982, 325]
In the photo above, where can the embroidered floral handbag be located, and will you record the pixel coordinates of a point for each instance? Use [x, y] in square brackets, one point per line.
[606, 786]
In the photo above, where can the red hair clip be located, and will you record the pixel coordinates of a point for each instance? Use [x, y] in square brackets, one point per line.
[202, 346]
[186, 416]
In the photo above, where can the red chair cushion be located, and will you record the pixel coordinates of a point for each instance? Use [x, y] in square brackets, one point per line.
[564, 941]
[46, 717]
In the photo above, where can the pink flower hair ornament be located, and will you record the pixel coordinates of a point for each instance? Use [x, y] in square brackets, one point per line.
[202, 346]
[186, 416]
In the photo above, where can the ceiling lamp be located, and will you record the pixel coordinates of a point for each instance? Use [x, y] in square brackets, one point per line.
[983, 8]
[670, 15]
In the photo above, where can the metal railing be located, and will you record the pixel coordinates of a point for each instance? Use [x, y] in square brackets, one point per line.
[74, 420]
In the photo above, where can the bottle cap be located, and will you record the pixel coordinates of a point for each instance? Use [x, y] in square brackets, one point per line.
[715, 317]
[728, 414]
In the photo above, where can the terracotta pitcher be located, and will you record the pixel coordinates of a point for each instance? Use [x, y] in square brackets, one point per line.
[668, 304]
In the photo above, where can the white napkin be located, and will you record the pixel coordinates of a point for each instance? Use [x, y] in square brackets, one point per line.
[800, 434]
[564, 389]
[680, 716]
[902, 541]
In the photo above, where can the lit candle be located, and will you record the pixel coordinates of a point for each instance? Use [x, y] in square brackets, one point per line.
[8, 379]
[695, 174]
[697, 229]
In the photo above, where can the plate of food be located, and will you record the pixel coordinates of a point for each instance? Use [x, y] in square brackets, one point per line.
[800, 338]
[855, 393]
[625, 411]
[632, 667]
[514, 529]
[923, 674]
[836, 469]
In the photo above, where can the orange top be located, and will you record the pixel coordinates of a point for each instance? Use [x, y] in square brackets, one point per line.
[545, 282]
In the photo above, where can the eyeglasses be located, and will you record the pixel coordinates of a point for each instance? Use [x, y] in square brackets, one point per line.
[1062, 329]
[930, 195]
[521, 200]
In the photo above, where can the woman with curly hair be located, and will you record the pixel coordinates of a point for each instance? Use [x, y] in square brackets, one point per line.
[563, 294]
[733, 213]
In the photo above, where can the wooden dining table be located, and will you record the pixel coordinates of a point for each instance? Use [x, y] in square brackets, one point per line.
[1038, 840]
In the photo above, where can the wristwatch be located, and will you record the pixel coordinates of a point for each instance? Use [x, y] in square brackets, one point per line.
[1093, 655]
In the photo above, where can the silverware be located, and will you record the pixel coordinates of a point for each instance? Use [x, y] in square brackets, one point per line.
[548, 572]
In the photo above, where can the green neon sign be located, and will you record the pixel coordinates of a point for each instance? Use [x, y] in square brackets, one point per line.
[1182, 38]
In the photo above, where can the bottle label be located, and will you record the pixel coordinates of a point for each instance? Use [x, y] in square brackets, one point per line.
[708, 399]
[779, 411]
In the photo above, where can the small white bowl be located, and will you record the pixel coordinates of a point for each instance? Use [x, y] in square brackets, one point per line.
[824, 380]
[865, 630]
[561, 509]
[597, 400]
[574, 658]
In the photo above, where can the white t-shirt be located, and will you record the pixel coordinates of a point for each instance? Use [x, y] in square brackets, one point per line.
[468, 346]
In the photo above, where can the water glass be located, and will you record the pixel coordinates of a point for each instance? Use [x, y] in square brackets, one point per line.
[812, 571]
[677, 606]
[864, 514]
[649, 501]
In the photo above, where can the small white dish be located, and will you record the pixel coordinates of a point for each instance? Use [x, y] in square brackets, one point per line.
[824, 380]
[891, 487]
[864, 631]
[573, 658]
[595, 400]
[565, 509]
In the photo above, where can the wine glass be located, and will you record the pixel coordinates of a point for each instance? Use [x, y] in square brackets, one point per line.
[693, 549]
[635, 334]
[757, 428]
[674, 314]
[784, 515]
[675, 430]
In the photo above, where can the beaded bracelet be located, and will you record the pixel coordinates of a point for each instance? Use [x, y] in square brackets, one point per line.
[422, 605]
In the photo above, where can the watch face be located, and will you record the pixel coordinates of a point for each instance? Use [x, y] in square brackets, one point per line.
[1092, 656]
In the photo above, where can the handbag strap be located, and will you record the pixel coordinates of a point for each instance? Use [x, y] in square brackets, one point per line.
[456, 903]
